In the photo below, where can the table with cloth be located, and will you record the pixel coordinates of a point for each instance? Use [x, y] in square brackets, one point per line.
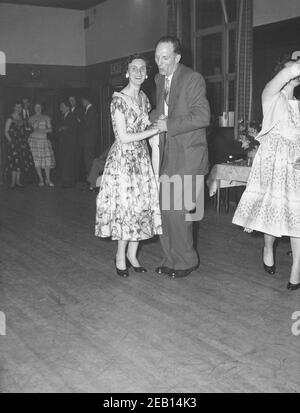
[225, 175]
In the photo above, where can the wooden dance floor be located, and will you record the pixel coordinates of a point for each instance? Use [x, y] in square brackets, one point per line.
[73, 325]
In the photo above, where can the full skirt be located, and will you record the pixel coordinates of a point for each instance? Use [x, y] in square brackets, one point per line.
[271, 200]
[42, 152]
[128, 202]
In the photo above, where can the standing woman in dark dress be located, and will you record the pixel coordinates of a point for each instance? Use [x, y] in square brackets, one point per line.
[67, 145]
[19, 158]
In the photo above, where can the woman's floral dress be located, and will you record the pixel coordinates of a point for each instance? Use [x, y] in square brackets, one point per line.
[17, 151]
[128, 202]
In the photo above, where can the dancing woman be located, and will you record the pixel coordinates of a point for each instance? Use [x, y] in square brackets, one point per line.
[271, 201]
[127, 203]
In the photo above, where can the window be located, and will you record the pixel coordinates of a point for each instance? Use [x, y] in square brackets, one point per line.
[214, 31]
[211, 54]
[208, 13]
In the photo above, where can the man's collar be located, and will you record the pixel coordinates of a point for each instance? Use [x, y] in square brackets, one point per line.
[172, 74]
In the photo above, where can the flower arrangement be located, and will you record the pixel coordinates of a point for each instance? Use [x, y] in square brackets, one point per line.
[247, 134]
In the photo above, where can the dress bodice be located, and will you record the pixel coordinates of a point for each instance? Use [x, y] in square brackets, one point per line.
[289, 125]
[136, 116]
[15, 128]
[40, 124]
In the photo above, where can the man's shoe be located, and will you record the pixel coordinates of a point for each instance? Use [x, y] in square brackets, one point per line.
[182, 273]
[163, 270]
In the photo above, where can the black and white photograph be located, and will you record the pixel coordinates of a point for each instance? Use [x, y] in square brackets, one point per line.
[149, 199]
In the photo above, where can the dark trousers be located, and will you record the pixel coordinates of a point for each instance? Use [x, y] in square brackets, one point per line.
[97, 167]
[177, 239]
[67, 161]
[86, 157]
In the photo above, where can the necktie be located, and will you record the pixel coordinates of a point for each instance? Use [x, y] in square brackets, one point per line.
[167, 90]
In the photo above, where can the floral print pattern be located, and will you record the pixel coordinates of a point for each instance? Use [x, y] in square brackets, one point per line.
[128, 203]
[271, 201]
[18, 151]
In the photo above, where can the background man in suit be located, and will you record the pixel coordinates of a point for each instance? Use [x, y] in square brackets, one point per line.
[75, 109]
[29, 177]
[181, 99]
[89, 131]
[26, 108]
[78, 114]
[26, 113]
[67, 146]
[97, 170]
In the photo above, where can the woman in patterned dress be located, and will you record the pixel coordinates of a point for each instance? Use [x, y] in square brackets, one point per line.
[19, 159]
[271, 201]
[40, 146]
[127, 203]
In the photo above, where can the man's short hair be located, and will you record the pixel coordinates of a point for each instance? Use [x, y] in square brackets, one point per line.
[87, 97]
[171, 39]
[66, 103]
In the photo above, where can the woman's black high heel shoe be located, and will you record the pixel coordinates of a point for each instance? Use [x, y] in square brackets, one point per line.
[270, 269]
[121, 273]
[291, 286]
[136, 269]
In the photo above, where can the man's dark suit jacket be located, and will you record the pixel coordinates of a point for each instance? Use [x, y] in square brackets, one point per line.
[89, 128]
[67, 148]
[24, 117]
[183, 150]
[77, 113]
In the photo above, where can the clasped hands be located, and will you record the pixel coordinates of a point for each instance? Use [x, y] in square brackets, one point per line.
[161, 124]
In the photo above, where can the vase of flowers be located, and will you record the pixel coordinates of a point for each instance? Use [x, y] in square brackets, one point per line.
[247, 134]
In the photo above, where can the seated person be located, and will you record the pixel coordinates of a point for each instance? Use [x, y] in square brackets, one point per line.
[97, 170]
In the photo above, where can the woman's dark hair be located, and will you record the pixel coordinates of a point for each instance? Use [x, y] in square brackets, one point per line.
[171, 39]
[132, 58]
[281, 62]
[16, 103]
